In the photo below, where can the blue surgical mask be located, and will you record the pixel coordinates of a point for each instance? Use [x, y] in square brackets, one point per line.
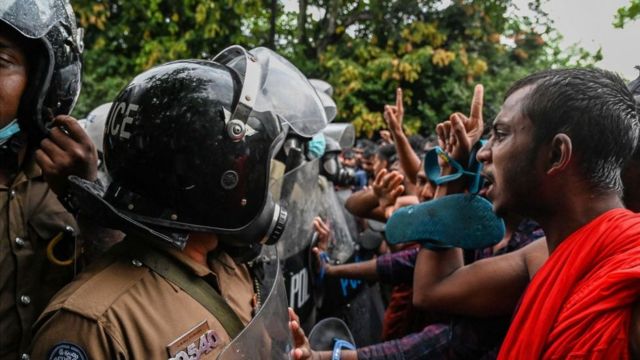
[317, 146]
[8, 131]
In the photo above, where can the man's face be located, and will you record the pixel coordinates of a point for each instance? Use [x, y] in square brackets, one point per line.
[13, 76]
[349, 162]
[509, 159]
[426, 189]
[378, 164]
[367, 164]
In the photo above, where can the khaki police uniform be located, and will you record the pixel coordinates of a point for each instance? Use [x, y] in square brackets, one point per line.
[120, 309]
[30, 216]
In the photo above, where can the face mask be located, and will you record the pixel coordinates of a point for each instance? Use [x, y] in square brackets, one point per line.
[316, 146]
[8, 131]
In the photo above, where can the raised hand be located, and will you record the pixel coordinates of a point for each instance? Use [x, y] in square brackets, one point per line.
[67, 150]
[388, 186]
[458, 134]
[394, 114]
[386, 136]
[324, 233]
[301, 348]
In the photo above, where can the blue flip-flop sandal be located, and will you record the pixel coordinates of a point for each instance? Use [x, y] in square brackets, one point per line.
[472, 171]
[462, 220]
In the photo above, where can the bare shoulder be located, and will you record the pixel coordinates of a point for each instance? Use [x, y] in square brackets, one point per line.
[534, 255]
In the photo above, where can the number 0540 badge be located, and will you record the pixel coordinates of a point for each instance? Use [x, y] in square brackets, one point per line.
[195, 344]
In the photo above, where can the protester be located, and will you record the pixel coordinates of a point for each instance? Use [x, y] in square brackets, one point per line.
[459, 337]
[570, 132]
[409, 159]
[39, 83]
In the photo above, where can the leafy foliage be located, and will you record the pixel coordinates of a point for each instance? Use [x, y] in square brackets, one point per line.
[435, 50]
[628, 13]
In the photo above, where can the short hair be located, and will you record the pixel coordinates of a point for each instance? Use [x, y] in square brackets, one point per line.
[387, 153]
[348, 153]
[364, 143]
[594, 108]
[369, 151]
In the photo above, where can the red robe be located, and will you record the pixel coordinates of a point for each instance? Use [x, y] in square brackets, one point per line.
[579, 303]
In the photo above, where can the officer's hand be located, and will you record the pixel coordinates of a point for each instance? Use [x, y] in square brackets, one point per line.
[67, 150]
[301, 348]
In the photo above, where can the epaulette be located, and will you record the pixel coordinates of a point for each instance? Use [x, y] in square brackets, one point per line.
[96, 295]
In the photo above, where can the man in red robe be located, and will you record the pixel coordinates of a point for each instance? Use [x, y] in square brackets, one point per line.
[555, 154]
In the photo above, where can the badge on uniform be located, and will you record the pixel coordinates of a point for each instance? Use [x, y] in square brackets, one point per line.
[67, 351]
[195, 344]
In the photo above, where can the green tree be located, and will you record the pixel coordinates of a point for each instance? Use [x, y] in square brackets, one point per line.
[627, 13]
[364, 48]
[124, 37]
[368, 48]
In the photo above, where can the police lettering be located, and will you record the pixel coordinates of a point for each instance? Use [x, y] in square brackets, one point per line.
[208, 341]
[116, 127]
[299, 293]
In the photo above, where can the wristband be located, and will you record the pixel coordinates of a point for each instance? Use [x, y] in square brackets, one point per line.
[338, 345]
[324, 258]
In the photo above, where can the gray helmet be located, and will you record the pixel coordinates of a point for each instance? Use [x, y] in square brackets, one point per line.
[55, 85]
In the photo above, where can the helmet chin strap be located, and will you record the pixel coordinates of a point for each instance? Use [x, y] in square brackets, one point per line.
[8, 131]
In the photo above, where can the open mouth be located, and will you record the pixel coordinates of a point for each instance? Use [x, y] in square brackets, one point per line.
[487, 185]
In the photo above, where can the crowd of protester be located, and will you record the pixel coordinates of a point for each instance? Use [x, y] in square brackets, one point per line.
[559, 165]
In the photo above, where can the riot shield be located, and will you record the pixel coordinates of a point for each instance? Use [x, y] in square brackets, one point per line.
[267, 336]
[306, 195]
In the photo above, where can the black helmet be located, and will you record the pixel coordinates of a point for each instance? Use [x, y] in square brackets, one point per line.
[189, 144]
[55, 86]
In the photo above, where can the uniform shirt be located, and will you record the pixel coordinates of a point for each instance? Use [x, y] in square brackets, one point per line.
[120, 309]
[30, 216]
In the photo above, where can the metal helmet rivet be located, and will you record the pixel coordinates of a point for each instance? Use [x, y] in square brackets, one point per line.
[236, 130]
[229, 180]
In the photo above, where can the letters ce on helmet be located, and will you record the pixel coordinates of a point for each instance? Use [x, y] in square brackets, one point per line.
[189, 144]
[56, 85]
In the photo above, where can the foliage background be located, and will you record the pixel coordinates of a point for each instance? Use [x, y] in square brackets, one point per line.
[435, 50]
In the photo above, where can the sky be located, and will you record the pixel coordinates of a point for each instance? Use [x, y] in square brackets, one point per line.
[589, 24]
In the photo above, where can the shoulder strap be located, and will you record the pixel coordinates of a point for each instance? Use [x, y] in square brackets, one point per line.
[196, 287]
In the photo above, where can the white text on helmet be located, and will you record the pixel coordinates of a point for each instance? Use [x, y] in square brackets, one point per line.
[119, 129]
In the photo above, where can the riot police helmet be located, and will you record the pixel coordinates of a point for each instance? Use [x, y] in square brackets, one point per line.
[55, 77]
[188, 144]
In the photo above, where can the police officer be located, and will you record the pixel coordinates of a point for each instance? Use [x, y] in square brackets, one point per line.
[39, 79]
[188, 145]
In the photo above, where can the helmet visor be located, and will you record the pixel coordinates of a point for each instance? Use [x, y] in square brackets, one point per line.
[272, 84]
[32, 18]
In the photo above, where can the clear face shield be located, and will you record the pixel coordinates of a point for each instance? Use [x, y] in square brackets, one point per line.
[33, 18]
[272, 84]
